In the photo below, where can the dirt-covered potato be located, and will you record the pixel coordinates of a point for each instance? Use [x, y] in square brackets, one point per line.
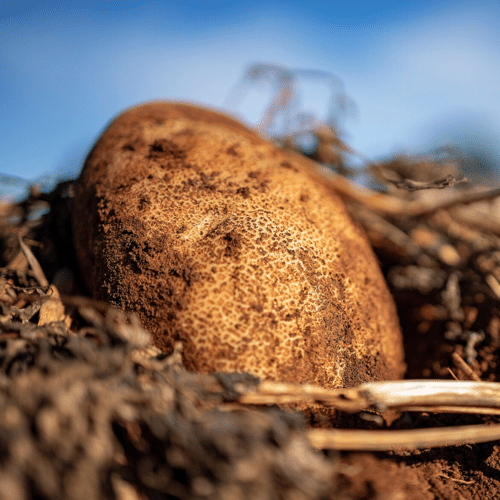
[217, 238]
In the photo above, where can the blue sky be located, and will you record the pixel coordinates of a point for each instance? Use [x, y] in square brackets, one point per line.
[420, 74]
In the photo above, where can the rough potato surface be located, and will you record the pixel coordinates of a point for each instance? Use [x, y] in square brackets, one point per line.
[217, 238]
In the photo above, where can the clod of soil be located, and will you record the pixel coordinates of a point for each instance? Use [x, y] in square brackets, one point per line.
[217, 238]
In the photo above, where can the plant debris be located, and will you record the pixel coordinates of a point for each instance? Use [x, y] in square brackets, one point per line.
[89, 409]
[93, 410]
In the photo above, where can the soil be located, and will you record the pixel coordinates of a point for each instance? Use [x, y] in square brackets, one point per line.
[88, 409]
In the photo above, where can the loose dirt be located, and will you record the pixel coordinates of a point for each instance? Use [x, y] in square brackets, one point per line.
[88, 409]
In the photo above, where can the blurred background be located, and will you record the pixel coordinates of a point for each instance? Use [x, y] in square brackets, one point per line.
[421, 74]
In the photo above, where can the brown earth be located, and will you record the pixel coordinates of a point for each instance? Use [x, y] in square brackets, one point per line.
[81, 416]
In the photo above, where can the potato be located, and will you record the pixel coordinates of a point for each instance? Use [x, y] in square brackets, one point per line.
[221, 240]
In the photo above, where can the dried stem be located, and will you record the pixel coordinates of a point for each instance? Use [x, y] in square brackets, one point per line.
[462, 365]
[437, 396]
[359, 440]
[426, 395]
[393, 206]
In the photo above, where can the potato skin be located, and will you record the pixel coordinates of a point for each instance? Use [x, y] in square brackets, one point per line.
[217, 238]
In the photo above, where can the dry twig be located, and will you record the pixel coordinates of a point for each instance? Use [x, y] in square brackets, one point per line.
[406, 395]
[462, 365]
[359, 440]
[437, 396]
[412, 185]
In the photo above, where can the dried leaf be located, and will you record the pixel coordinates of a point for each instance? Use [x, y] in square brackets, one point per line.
[52, 308]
